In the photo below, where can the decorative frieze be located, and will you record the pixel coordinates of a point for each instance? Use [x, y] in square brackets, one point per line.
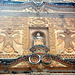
[26, 25]
[38, 22]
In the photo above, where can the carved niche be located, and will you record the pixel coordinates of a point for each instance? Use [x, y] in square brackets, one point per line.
[38, 39]
[42, 39]
[38, 26]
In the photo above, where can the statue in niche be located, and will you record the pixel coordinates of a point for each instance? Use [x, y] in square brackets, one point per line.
[38, 39]
[8, 39]
[67, 40]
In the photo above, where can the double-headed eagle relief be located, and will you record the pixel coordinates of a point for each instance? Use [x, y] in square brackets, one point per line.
[8, 37]
[68, 39]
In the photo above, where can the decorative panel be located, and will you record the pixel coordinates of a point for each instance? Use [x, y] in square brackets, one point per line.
[22, 27]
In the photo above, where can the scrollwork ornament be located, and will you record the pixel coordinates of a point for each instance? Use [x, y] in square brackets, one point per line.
[34, 59]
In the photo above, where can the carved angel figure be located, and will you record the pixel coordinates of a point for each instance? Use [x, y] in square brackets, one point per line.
[8, 37]
[67, 39]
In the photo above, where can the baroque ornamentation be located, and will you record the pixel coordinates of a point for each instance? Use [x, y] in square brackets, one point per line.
[38, 39]
[26, 37]
[56, 64]
[21, 64]
[34, 59]
[37, 10]
[46, 59]
[68, 39]
[38, 22]
[9, 55]
[52, 40]
[39, 48]
[8, 37]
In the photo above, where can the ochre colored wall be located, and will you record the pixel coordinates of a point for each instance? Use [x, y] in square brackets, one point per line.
[21, 34]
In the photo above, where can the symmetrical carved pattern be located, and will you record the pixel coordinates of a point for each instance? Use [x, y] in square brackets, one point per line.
[8, 39]
[38, 9]
[67, 38]
[70, 23]
[38, 22]
[34, 59]
[23, 23]
[39, 49]
[29, 60]
[9, 55]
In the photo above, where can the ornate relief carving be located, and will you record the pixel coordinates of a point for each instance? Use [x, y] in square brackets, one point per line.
[26, 38]
[39, 49]
[62, 23]
[48, 10]
[70, 23]
[9, 56]
[56, 64]
[65, 41]
[51, 23]
[41, 66]
[9, 36]
[68, 39]
[34, 59]
[46, 59]
[38, 39]
[30, 9]
[52, 40]
[38, 22]
[21, 65]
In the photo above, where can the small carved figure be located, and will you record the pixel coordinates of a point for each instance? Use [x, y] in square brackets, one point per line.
[8, 39]
[67, 39]
[38, 40]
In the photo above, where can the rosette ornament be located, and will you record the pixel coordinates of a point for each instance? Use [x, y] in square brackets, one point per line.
[46, 58]
[34, 58]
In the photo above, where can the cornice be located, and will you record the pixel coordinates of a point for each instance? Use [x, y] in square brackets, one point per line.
[37, 5]
[61, 5]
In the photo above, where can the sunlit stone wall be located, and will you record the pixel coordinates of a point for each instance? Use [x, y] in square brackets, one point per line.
[16, 32]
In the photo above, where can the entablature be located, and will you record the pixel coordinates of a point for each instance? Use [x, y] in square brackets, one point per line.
[41, 7]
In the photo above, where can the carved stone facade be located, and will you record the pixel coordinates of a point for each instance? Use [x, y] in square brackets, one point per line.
[20, 35]
[37, 36]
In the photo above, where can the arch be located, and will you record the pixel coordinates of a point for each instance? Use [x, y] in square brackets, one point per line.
[42, 33]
